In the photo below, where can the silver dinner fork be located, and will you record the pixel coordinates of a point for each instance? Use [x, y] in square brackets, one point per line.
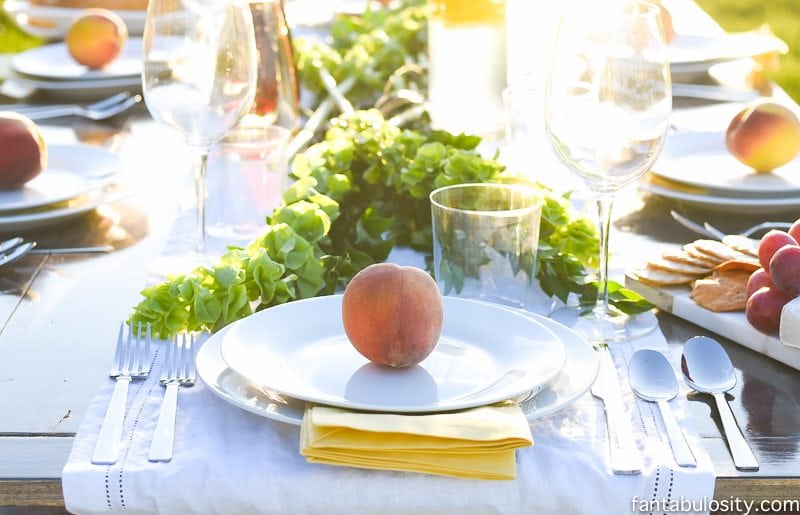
[178, 370]
[709, 231]
[131, 361]
[101, 110]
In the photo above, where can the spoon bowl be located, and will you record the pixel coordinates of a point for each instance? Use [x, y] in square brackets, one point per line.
[707, 368]
[652, 378]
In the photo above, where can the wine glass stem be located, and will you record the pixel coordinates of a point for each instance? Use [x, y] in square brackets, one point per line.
[604, 206]
[200, 162]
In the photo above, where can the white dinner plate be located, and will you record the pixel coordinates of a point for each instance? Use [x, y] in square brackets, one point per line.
[720, 202]
[34, 219]
[485, 354]
[577, 375]
[690, 53]
[54, 62]
[53, 22]
[72, 170]
[17, 86]
[701, 159]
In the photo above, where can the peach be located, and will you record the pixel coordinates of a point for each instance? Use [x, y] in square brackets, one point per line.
[23, 153]
[96, 37]
[392, 314]
[764, 136]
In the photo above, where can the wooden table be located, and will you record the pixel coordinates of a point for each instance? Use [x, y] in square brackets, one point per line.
[59, 316]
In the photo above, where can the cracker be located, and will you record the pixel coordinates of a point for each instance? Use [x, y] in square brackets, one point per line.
[693, 251]
[717, 249]
[662, 277]
[746, 265]
[683, 257]
[678, 268]
[724, 291]
[742, 244]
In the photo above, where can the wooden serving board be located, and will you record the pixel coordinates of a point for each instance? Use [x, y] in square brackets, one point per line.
[731, 325]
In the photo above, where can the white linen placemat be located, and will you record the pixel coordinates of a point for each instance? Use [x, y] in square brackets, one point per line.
[229, 461]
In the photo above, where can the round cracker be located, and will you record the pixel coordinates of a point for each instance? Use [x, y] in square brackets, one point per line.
[662, 277]
[683, 257]
[678, 268]
[742, 244]
[693, 251]
[717, 249]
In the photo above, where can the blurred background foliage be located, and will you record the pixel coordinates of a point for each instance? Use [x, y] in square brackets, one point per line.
[783, 17]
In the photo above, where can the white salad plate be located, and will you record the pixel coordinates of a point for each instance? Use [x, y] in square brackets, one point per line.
[485, 354]
[72, 170]
[53, 22]
[577, 375]
[53, 62]
[702, 159]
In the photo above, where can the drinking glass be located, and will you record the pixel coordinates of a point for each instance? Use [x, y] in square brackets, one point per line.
[607, 107]
[485, 238]
[199, 76]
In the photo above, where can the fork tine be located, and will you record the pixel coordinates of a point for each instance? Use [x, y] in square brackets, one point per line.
[165, 366]
[146, 369]
[119, 352]
[127, 368]
[184, 354]
[192, 374]
[112, 100]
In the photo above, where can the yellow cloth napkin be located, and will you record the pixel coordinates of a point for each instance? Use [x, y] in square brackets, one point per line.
[478, 443]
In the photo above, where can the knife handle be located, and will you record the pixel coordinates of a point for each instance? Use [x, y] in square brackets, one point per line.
[625, 457]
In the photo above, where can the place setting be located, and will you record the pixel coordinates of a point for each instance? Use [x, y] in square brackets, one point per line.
[462, 377]
[97, 57]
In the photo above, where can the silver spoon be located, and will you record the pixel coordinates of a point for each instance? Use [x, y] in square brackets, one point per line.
[708, 369]
[652, 379]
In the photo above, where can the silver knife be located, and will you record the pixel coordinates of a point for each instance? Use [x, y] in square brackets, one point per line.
[625, 457]
[711, 92]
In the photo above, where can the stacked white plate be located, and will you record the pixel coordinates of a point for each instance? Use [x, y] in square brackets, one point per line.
[52, 22]
[276, 360]
[696, 168]
[78, 178]
[693, 55]
[51, 69]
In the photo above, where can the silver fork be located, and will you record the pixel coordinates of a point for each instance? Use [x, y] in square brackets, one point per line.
[178, 370]
[709, 231]
[101, 110]
[131, 361]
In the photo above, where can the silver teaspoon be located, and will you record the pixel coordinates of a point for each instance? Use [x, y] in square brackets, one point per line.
[708, 369]
[652, 379]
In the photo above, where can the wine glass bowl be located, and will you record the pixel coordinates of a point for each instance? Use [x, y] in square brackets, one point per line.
[607, 109]
[199, 75]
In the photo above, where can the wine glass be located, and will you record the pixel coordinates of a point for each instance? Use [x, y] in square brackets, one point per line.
[199, 76]
[607, 107]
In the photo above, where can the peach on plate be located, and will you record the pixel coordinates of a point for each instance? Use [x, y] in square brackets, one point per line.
[393, 314]
[96, 37]
[23, 152]
[765, 135]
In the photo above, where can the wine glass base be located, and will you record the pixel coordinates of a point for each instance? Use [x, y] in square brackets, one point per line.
[600, 328]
